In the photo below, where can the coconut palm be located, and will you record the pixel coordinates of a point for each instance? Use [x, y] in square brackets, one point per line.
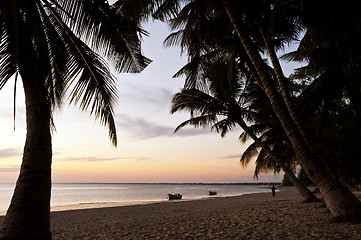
[224, 107]
[273, 152]
[330, 48]
[341, 202]
[51, 46]
[203, 37]
[190, 25]
[331, 121]
[268, 129]
[251, 20]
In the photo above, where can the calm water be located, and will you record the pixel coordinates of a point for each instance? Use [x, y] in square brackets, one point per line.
[68, 194]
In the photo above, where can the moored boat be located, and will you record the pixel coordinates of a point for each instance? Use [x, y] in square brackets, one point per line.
[174, 196]
[212, 193]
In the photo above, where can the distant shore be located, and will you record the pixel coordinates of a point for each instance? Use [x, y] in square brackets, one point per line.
[251, 216]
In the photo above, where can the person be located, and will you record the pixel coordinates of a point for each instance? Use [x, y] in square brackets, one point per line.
[273, 190]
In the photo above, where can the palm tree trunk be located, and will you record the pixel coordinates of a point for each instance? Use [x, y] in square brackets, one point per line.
[283, 87]
[340, 201]
[305, 193]
[28, 216]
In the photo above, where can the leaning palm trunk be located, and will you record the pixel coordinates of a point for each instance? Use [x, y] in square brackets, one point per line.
[305, 193]
[283, 87]
[339, 200]
[28, 216]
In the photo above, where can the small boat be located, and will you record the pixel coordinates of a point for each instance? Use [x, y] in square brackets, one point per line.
[174, 196]
[212, 193]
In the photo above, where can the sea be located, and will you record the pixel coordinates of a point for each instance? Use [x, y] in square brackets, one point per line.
[64, 194]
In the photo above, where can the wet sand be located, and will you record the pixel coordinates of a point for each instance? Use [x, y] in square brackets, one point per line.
[253, 216]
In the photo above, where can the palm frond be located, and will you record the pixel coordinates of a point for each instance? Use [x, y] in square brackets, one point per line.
[264, 162]
[168, 9]
[173, 39]
[137, 11]
[98, 23]
[21, 24]
[200, 121]
[8, 66]
[95, 88]
[195, 100]
[191, 26]
[55, 57]
[224, 126]
[95, 85]
[250, 153]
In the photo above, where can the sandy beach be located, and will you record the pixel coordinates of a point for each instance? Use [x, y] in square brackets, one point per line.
[253, 216]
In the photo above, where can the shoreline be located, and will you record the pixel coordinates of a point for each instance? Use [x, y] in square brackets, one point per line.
[96, 205]
[66, 197]
[249, 216]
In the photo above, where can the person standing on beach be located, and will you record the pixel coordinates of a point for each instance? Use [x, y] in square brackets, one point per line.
[273, 190]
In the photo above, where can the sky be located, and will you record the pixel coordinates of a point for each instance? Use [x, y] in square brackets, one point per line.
[148, 149]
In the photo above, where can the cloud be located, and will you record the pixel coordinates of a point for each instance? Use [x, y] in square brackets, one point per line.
[10, 168]
[145, 159]
[140, 128]
[238, 156]
[10, 152]
[99, 159]
[159, 97]
[89, 159]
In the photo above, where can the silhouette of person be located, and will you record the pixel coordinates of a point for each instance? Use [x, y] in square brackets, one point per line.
[273, 190]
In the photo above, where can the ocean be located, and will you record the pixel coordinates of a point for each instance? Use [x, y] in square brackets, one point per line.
[79, 193]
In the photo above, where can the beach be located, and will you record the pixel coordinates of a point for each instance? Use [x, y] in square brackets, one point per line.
[251, 216]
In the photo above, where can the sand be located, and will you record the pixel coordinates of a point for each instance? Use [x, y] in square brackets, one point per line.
[253, 216]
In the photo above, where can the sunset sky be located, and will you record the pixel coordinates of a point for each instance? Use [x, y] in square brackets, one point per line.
[148, 150]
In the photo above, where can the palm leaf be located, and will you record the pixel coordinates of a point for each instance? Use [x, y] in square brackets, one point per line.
[223, 126]
[137, 11]
[99, 24]
[95, 87]
[251, 152]
[200, 121]
[168, 9]
[8, 66]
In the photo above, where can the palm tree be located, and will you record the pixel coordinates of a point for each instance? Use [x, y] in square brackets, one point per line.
[249, 19]
[341, 202]
[331, 121]
[280, 157]
[202, 37]
[227, 102]
[330, 48]
[51, 44]
[273, 149]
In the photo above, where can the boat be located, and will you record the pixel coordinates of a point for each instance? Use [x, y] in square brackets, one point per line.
[212, 193]
[174, 196]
